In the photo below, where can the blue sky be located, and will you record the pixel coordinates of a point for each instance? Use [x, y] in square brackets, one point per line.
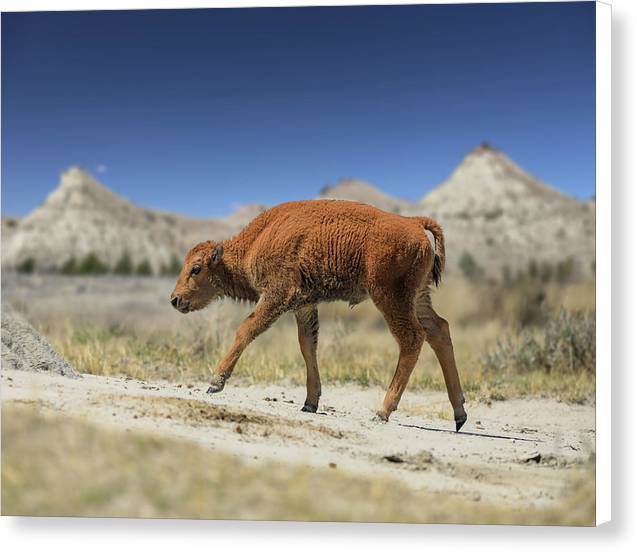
[196, 111]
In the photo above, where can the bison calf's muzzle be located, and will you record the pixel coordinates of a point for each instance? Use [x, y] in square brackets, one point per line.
[179, 304]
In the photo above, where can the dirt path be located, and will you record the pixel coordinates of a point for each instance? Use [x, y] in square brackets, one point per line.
[514, 452]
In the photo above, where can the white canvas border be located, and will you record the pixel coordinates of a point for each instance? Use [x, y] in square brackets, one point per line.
[603, 276]
[603, 262]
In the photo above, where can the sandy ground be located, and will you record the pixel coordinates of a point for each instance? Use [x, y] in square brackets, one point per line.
[517, 452]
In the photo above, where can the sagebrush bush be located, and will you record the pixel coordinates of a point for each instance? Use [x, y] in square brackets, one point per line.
[470, 267]
[27, 266]
[144, 268]
[569, 341]
[566, 345]
[171, 269]
[69, 266]
[91, 264]
[124, 266]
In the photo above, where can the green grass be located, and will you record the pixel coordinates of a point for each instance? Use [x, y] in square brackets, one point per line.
[65, 467]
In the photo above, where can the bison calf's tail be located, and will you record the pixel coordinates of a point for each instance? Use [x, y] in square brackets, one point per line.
[439, 256]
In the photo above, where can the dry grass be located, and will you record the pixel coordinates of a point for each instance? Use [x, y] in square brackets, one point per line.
[64, 467]
[124, 327]
[345, 355]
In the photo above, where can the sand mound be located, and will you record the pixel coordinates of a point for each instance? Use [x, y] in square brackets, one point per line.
[25, 349]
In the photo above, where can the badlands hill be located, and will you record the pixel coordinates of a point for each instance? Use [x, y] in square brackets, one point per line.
[504, 216]
[489, 207]
[359, 190]
[501, 215]
[82, 216]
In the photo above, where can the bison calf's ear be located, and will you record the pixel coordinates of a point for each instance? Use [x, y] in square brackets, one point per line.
[217, 252]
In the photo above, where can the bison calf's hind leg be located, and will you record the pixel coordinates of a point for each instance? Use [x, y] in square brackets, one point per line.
[410, 336]
[439, 338]
[308, 326]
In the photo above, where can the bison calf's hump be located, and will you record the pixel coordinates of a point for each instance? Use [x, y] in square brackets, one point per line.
[332, 253]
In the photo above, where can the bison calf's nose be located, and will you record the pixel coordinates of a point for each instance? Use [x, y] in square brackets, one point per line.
[174, 301]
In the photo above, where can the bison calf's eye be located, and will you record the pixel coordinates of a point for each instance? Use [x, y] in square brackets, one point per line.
[195, 270]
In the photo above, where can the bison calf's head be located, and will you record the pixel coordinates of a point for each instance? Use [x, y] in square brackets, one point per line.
[198, 283]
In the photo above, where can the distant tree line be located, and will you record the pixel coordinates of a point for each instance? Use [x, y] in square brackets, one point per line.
[519, 297]
[561, 272]
[91, 264]
[543, 272]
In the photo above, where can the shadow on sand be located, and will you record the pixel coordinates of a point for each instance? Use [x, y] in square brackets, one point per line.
[505, 437]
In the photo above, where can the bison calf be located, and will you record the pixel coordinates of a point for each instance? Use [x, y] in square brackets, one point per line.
[298, 254]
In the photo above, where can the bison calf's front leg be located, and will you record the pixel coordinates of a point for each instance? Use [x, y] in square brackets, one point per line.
[259, 321]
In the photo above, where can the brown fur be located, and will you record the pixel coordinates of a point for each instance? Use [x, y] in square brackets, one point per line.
[298, 254]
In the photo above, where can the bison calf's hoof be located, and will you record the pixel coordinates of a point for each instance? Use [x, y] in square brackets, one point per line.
[309, 408]
[380, 417]
[216, 385]
[460, 420]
